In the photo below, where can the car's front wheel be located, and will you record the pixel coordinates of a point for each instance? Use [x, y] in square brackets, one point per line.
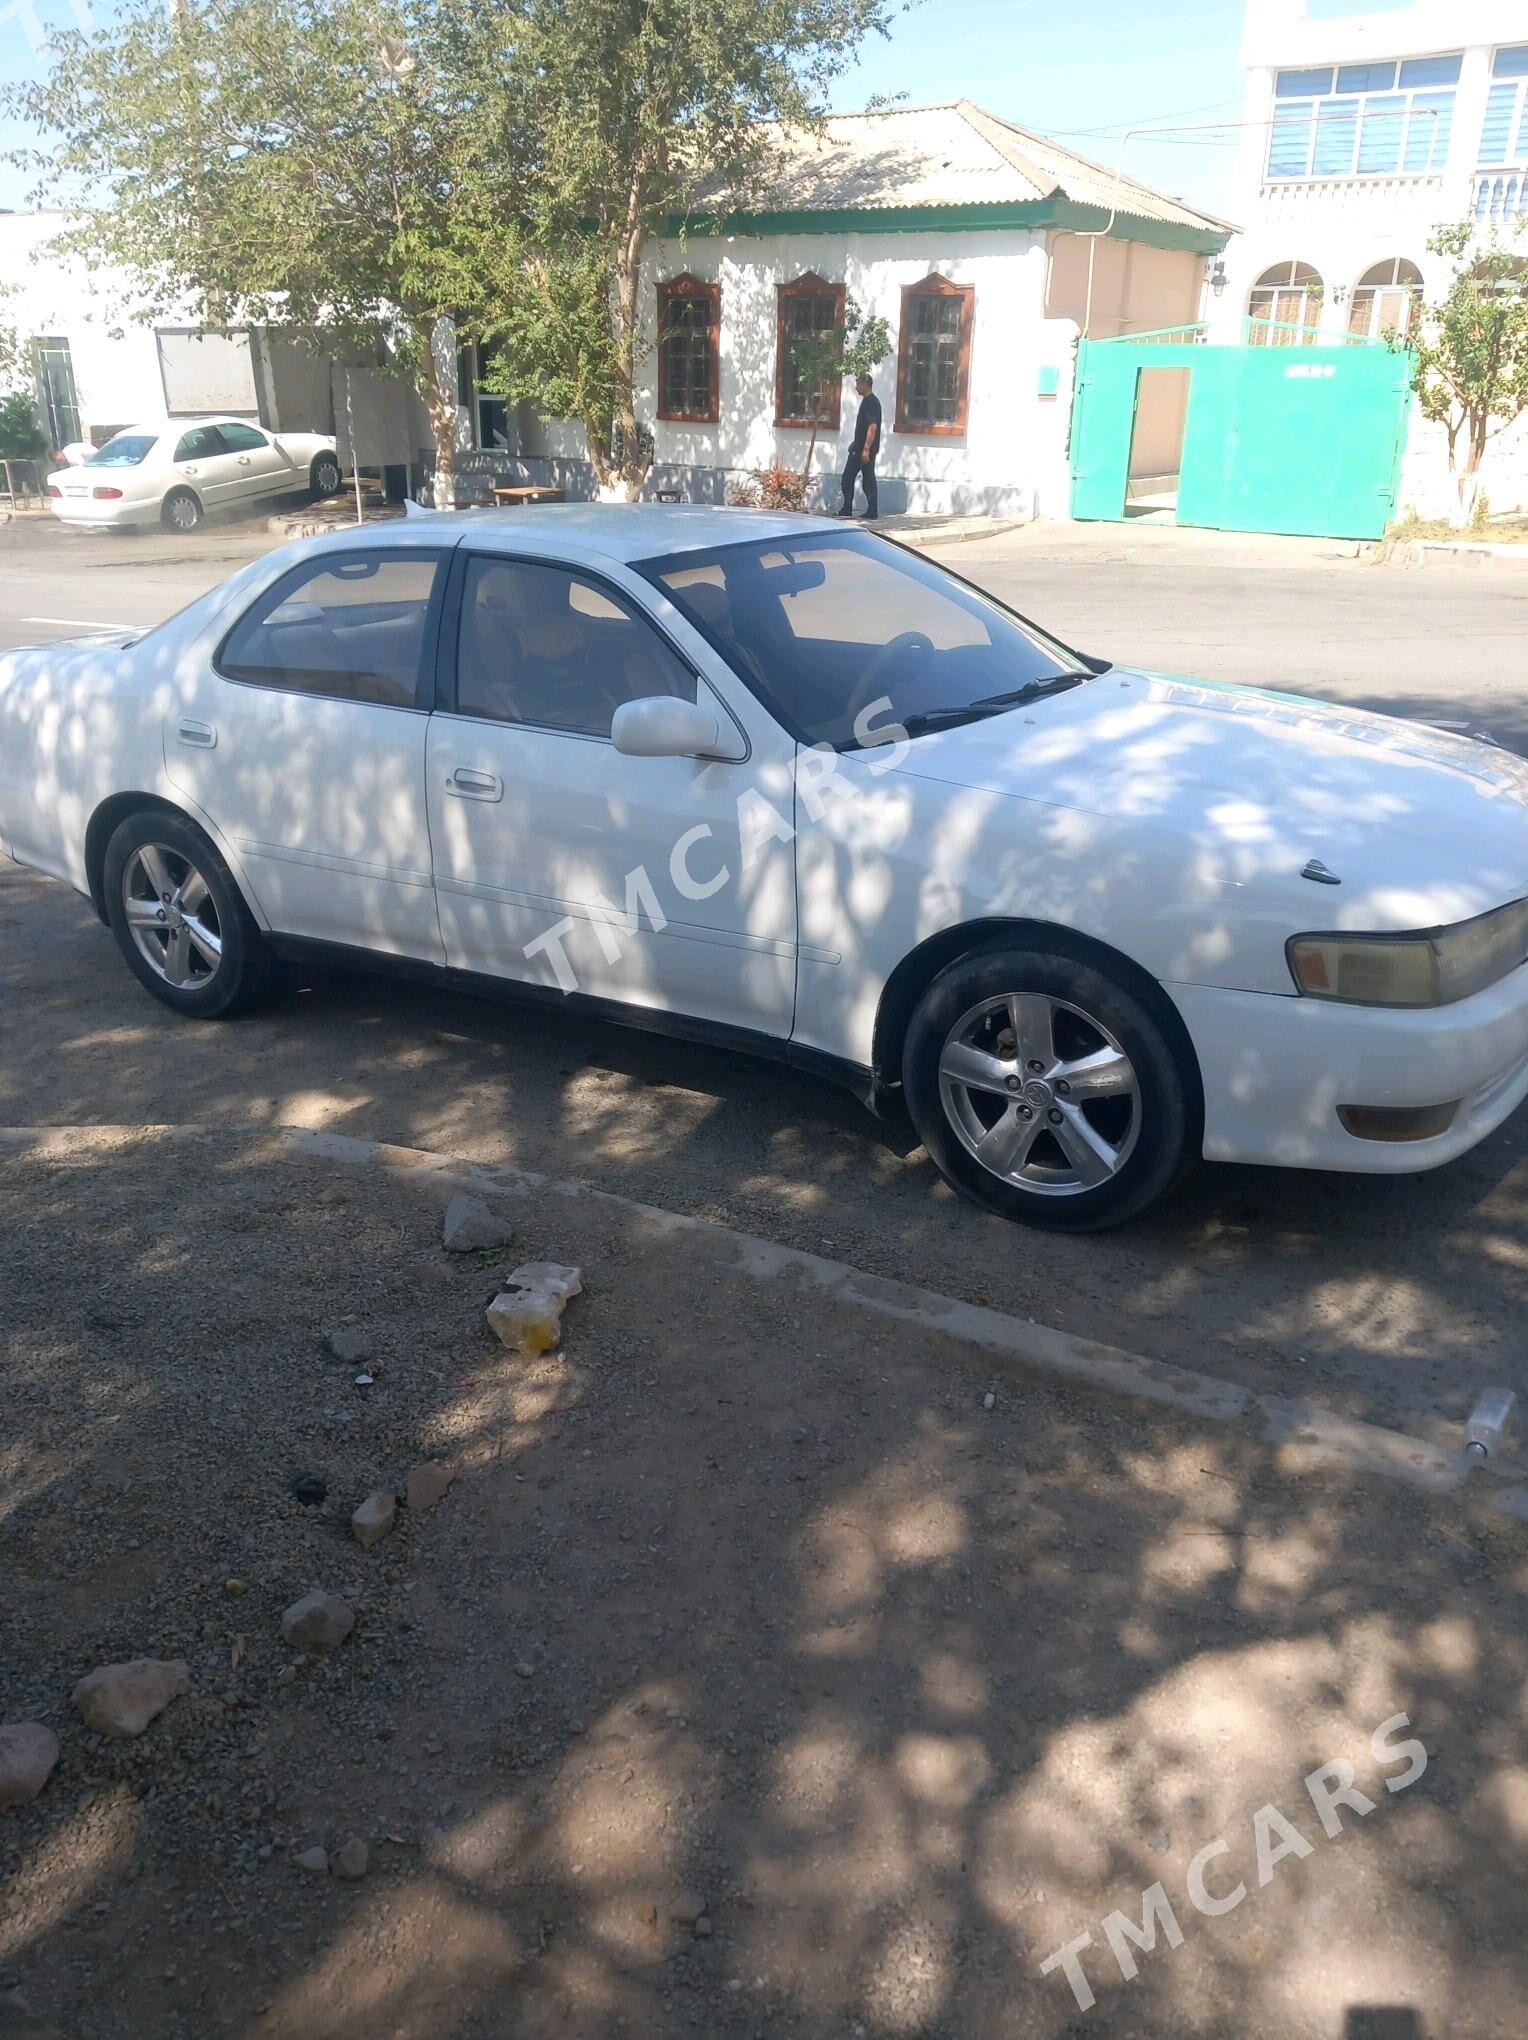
[182, 510]
[324, 476]
[180, 919]
[1045, 1089]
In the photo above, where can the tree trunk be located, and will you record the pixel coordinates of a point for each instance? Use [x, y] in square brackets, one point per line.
[437, 387]
[635, 458]
[1467, 478]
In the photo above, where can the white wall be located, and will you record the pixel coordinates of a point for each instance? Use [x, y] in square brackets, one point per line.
[1010, 461]
[116, 363]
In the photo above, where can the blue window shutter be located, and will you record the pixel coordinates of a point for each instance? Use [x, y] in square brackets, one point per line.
[1431, 71]
[1511, 63]
[1365, 77]
[1496, 134]
[1302, 84]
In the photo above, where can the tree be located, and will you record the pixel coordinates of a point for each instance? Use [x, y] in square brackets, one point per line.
[641, 115]
[21, 437]
[317, 163]
[822, 360]
[1472, 356]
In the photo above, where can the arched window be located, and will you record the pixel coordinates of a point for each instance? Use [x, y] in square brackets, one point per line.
[1385, 300]
[1288, 295]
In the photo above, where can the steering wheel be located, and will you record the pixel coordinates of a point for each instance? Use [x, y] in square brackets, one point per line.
[870, 686]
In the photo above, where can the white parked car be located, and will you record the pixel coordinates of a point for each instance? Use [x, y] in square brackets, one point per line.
[176, 474]
[743, 777]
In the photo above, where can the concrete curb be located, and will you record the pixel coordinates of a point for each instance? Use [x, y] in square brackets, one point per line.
[1304, 1433]
[1417, 552]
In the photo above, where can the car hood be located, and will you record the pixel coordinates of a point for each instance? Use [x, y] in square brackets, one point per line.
[1422, 827]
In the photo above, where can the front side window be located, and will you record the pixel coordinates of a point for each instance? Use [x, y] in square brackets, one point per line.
[547, 647]
[934, 358]
[243, 438]
[821, 629]
[202, 442]
[350, 626]
[128, 449]
[809, 319]
[689, 350]
[1365, 120]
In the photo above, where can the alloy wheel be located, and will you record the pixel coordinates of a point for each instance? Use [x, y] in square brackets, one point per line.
[172, 916]
[1040, 1093]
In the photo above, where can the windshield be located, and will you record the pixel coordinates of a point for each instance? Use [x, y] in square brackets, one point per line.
[822, 627]
[128, 449]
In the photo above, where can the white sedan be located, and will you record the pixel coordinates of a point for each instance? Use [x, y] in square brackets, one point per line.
[739, 777]
[176, 474]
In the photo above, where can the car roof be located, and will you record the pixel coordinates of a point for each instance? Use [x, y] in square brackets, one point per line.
[611, 531]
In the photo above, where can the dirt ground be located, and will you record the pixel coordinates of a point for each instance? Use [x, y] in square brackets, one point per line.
[744, 1594]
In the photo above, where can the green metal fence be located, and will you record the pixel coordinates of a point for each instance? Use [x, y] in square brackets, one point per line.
[1280, 438]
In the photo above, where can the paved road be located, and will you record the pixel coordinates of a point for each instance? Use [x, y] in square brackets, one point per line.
[1398, 1299]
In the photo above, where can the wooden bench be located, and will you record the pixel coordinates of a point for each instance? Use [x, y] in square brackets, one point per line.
[519, 493]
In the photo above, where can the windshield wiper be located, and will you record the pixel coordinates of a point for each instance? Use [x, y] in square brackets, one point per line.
[923, 719]
[1036, 690]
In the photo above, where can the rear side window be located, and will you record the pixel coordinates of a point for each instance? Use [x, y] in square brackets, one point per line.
[546, 647]
[351, 626]
[203, 442]
[242, 438]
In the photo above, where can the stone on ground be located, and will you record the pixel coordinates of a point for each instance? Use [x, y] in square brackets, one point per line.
[427, 1484]
[354, 1348]
[315, 1860]
[318, 1622]
[374, 1518]
[28, 1752]
[350, 1860]
[469, 1226]
[527, 1315]
[122, 1700]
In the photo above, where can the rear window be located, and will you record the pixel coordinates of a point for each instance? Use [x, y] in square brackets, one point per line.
[128, 449]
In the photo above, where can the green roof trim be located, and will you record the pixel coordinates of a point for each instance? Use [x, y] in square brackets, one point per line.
[956, 219]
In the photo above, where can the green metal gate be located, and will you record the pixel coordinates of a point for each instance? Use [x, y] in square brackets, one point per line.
[1276, 438]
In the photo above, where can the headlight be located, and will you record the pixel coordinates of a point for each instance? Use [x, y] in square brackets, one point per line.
[1434, 967]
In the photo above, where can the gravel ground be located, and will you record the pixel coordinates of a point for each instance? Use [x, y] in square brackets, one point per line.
[743, 1595]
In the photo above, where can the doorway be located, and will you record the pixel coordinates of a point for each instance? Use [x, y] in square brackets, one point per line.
[1156, 444]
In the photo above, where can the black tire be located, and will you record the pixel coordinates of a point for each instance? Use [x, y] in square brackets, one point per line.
[324, 477]
[242, 973]
[181, 510]
[1148, 1136]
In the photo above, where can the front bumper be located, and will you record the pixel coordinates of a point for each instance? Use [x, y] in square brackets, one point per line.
[1275, 1070]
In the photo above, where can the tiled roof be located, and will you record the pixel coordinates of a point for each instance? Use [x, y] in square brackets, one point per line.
[951, 155]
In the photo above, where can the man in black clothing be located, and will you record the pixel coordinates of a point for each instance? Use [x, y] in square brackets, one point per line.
[867, 443]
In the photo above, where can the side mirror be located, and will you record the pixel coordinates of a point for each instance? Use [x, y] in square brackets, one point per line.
[664, 726]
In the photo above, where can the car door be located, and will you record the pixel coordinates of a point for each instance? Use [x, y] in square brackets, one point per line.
[201, 459]
[302, 736]
[263, 469]
[562, 863]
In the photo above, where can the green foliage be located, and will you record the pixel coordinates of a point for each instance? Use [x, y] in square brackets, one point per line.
[21, 437]
[318, 162]
[822, 359]
[636, 114]
[1472, 357]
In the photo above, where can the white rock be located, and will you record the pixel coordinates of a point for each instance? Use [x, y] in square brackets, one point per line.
[562, 1281]
[315, 1860]
[28, 1752]
[526, 1320]
[123, 1699]
[374, 1518]
[470, 1226]
[318, 1622]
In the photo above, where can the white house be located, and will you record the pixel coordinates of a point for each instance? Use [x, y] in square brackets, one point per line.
[986, 249]
[1362, 133]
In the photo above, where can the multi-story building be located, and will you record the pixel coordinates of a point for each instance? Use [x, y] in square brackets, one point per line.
[1362, 133]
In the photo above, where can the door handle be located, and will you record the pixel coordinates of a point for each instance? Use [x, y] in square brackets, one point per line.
[470, 785]
[201, 734]
[243, 460]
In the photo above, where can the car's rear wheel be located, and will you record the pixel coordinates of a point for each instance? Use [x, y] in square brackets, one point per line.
[182, 510]
[180, 919]
[1045, 1089]
[324, 476]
